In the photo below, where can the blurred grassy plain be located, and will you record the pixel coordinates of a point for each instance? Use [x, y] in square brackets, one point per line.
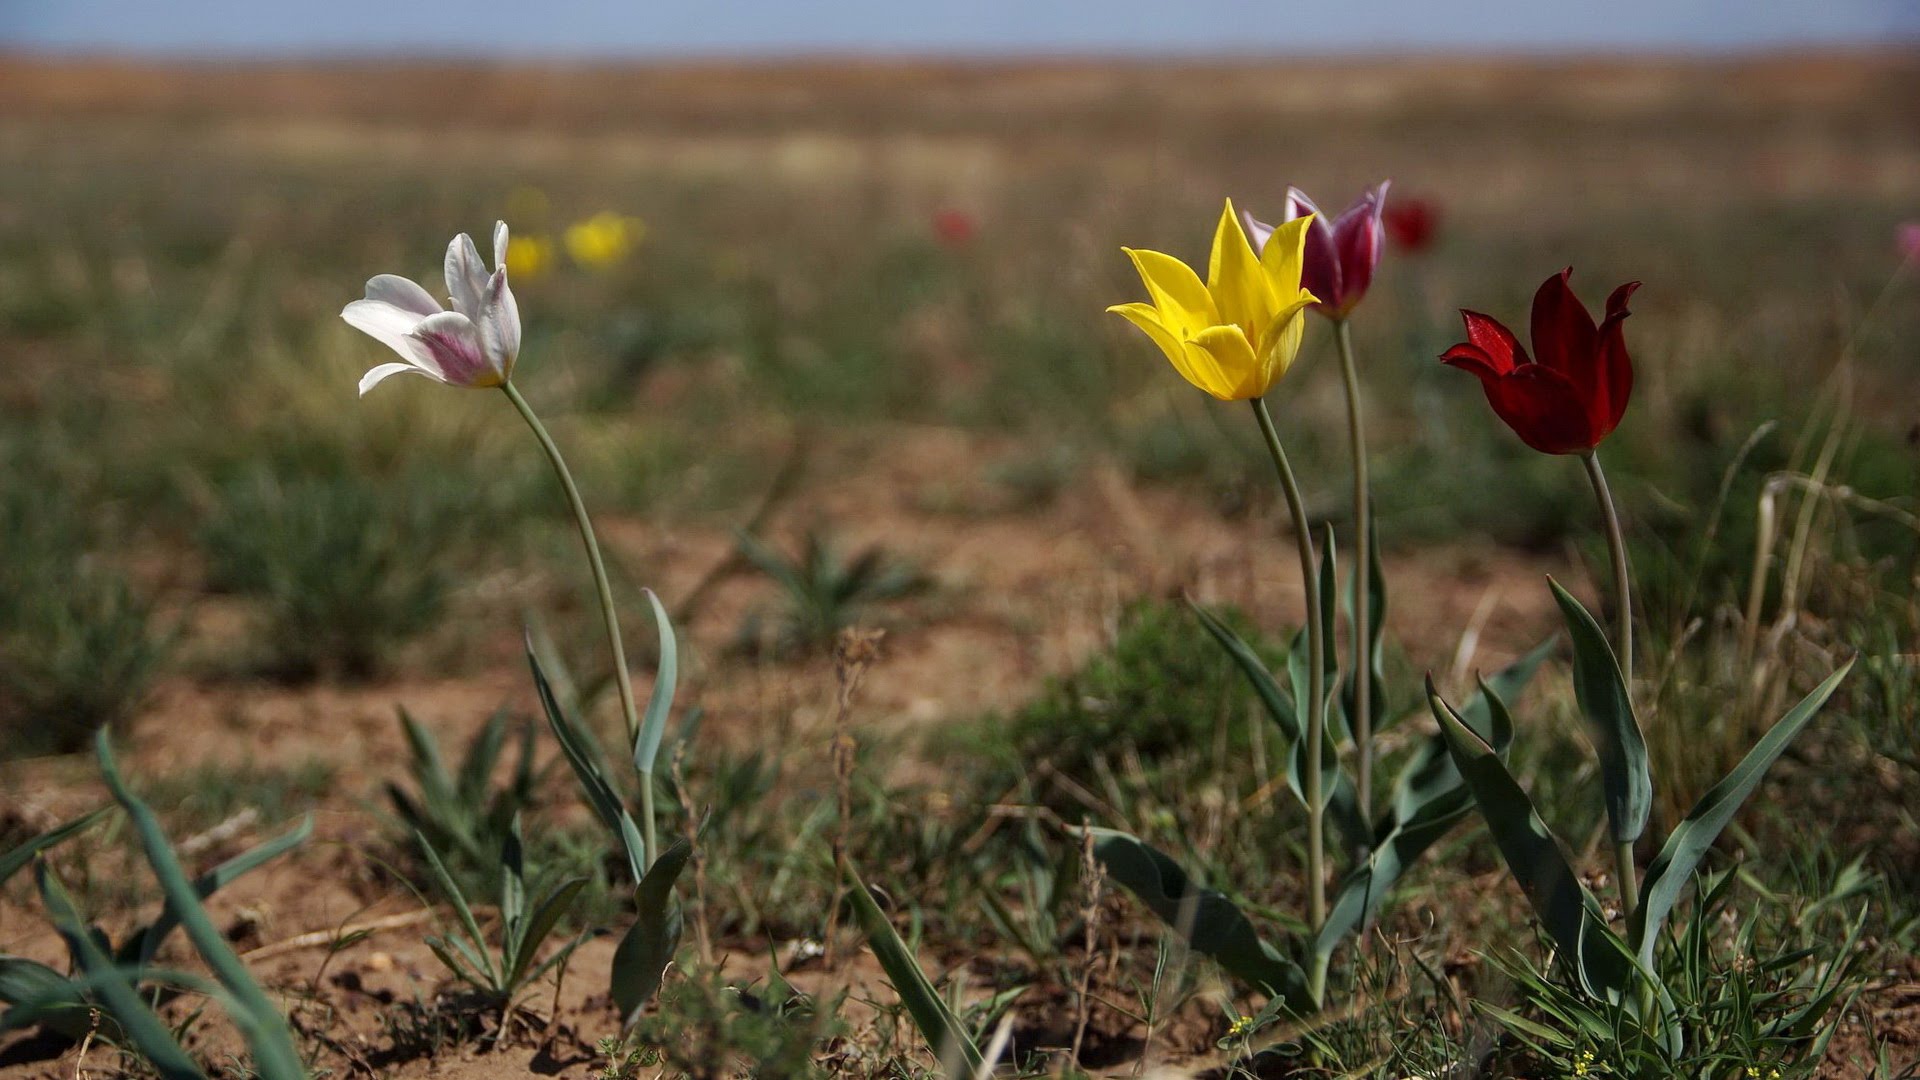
[192, 494]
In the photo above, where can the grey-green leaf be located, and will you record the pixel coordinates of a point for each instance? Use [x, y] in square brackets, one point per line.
[1690, 841]
[1210, 922]
[644, 953]
[659, 703]
[1604, 701]
[1568, 912]
[945, 1035]
[17, 859]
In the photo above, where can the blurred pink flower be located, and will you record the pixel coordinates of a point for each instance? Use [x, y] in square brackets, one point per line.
[473, 345]
[1908, 238]
[1341, 251]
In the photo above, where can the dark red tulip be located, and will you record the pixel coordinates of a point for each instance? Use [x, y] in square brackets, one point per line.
[1411, 224]
[1573, 395]
[953, 228]
[1341, 252]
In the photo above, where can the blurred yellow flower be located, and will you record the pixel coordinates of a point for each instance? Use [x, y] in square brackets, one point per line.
[604, 240]
[529, 257]
[1238, 333]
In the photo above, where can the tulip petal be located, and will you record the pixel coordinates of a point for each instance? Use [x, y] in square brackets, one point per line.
[402, 293]
[1281, 345]
[1238, 374]
[382, 372]
[1257, 231]
[466, 276]
[499, 324]
[1356, 238]
[1563, 331]
[384, 322]
[454, 343]
[1184, 304]
[1493, 341]
[1283, 260]
[1542, 407]
[1147, 318]
[500, 244]
[1613, 382]
[1320, 271]
[1234, 279]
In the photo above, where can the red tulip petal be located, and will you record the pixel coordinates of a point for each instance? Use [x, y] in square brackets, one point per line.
[1563, 332]
[1614, 384]
[1543, 408]
[1497, 343]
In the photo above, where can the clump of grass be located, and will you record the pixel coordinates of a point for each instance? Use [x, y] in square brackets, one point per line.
[822, 592]
[706, 1027]
[346, 569]
[1163, 688]
[78, 645]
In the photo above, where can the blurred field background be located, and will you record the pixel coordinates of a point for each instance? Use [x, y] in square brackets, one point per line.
[864, 310]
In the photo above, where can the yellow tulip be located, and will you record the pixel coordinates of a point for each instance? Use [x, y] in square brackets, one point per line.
[1237, 334]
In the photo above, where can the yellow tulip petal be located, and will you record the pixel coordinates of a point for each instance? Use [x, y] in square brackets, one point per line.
[1239, 374]
[1240, 290]
[1185, 307]
[1282, 345]
[1194, 365]
[1284, 256]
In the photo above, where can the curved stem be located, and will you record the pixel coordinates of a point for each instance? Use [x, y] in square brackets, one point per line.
[608, 616]
[1316, 690]
[1623, 641]
[1622, 584]
[1363, 628]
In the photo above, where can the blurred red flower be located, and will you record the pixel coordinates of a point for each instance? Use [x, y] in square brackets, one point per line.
[1411, 224]
[1574, 394]
[954, 228]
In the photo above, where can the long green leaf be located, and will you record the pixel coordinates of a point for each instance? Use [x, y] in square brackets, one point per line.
[642, 956]
[1210, 922]
[1608, 708]
[1278, 705]
[945, 1035]
[1690, 841]
[36, 994]
[659, 703]
[546, 915]
[1376, 631]
[449, 888]
[17, 859]
[142, 947]
[1565, 909]
[142, 1027]
[578, 750]
[265, 1028]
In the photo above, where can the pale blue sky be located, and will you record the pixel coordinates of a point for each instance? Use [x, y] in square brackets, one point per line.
[531, 28]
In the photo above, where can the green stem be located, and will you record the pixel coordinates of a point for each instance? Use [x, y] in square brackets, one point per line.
[608, 615]
[1316, 691]
[1362, 574]
[1623, 641]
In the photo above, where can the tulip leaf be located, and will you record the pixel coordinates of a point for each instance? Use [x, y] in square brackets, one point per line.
[1376, 633]
[1565, 909]
[1427, 804]
[946, 1036]
[17, 859]
[143, 1028]
[1279, 707]
[1608, 708]
[654, 725]
[1211, 924]
[265, 1029]
[584, 757]
[642, 957]
[1690, 841]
